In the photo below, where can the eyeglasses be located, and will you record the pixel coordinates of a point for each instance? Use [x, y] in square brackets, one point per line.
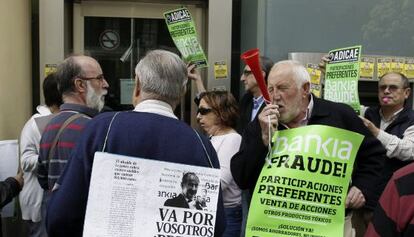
[247, 72]
[391, 88]
[203, 111]
[99, 78]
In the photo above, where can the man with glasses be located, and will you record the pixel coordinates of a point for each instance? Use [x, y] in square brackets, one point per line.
[83, 88]
[150, 131]
[252, 102]
[392, 122]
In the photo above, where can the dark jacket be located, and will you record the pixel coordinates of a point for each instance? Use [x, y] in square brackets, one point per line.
[245, 108]
[136, 134]
[247, 164]
[9, 188]
[180, 201]
[404, 120]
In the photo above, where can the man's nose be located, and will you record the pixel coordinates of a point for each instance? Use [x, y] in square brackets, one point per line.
[105, 84]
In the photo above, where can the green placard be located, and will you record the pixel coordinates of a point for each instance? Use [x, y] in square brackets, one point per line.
[302, 188]
[183, 32]
[342, 75]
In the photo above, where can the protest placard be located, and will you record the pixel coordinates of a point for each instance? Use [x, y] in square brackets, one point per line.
[183, 32]
[302, 188]
[342, 75]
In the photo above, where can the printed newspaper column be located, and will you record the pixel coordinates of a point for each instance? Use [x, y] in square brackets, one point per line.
[315, 75]
[342, 75]
[131, 196]
[302, 188]
[183, 32]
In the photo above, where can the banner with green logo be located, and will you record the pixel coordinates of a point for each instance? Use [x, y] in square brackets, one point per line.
[342, 75]
[302, 188]
[183, 32]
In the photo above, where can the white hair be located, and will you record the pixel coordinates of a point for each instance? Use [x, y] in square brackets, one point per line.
[300, 74]
[163, 76]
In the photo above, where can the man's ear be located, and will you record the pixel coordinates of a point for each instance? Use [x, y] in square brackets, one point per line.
[306, 88]
[137, 92]
[80, 86]
[407, 93]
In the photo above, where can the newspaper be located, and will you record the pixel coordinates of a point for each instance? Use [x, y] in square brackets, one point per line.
[131, 196]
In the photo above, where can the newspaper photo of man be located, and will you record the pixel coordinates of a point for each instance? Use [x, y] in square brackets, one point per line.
[187, 198]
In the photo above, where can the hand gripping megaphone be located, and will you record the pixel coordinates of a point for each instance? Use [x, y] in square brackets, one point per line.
[251, 58]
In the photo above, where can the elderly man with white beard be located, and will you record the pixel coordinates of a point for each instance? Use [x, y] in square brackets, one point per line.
[83, 88]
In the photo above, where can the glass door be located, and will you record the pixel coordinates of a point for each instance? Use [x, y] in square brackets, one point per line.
[118, 35]
[118, 43]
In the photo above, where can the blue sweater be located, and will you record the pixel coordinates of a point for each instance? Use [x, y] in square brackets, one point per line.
[135, 134]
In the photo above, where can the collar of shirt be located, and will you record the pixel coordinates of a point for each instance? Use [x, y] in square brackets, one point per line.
[79, 108]
[309, 110]
[156, 107]
[43, 110]
[259, 100]
[257, 103]
[188, 199]
[385, 122]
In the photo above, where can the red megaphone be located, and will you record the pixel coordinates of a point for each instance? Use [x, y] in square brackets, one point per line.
[251, 58]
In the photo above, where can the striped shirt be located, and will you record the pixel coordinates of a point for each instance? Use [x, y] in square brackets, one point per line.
[394, 216]
[49, 171]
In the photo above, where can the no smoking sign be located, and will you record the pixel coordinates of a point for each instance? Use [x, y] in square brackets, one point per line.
[109, 39]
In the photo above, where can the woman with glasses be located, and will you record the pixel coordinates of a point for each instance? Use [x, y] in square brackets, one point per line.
[217, 115]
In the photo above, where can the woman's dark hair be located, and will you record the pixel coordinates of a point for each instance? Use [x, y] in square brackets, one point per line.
[224, 106]
[51, 92]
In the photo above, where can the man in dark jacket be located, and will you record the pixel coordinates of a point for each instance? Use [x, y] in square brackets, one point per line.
[187, 199]
[252, 103]
[392, 122]
[293, 106]
[151, 131]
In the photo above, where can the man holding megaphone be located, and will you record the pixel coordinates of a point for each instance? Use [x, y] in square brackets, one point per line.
[291, 106]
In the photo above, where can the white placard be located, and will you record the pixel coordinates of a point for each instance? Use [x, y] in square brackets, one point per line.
[9, 163]
[127, 197]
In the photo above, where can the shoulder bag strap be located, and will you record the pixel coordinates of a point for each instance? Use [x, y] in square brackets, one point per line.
[107, 132]
[64, 125]
[204, 147]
